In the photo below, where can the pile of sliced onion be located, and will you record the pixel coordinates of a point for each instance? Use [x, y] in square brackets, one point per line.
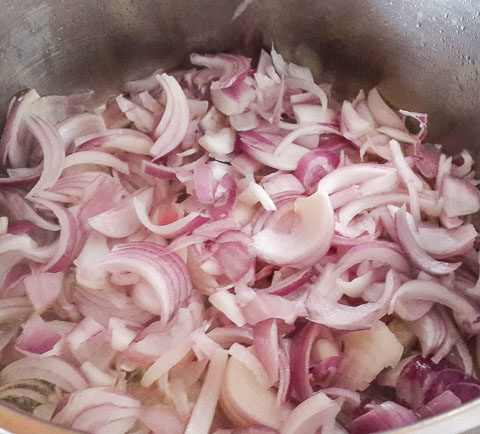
[224, 249]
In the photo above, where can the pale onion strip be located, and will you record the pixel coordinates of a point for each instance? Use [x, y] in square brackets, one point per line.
[96, 157]
[163, 230]
[203, 412]
[247, 358]
[166, 361]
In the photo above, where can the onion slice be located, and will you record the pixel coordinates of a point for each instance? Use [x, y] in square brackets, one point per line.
[309, 240]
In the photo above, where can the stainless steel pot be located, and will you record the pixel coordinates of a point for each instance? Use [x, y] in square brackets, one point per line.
[423, 54]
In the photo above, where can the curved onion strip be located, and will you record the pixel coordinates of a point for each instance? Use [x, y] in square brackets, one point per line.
[349, 175]
[121, 220]
[67, 240]
[122, 139]
[174, 123]
[22, 210]
[225, 66]
[349, 211]
[51, 369]
[165, 272]
[415, 291]
[315, 413]
[304, 131]
[19, 107]
[179, 227]
[415, 253]
[89, 398]
[53, 153]
[96, 157]
[309, 240]
[203, 412]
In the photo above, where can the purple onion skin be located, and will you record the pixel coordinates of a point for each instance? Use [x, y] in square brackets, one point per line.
[421, 380]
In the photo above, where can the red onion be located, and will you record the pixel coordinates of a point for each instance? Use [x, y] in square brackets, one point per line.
[67, 240]
[316, 413]
[314, 166]
[460, 197]
[53, 150]
[385, 416]
[173, 125]
[165, 272]
[415, 253]
[232, 236]
[42, 289]
[14, 131]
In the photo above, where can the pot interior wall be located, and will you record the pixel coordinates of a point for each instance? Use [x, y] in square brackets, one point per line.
[423, 55]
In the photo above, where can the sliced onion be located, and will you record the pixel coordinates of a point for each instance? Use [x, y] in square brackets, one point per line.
[42, 289]
[414, 299]
[80, 125]
[121, 139]
[107, 223]
[415, 253]
[38, 339]
[51, 369]
[14, 131]
[53, 150]
[313, 166]
[265, 335]
[245, 402]
[225, 66]
[306, 244]
[316, 413]
[300, 360]
[65, 247]
[165, 272]
[358, 368]
[85, 400]
[174, 123]
[349, 175]
[96, 157]
[179, 227]
[460, 197]
[443, 243]
[385, 416]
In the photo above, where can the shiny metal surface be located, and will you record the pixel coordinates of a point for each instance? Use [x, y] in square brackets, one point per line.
[424, 55]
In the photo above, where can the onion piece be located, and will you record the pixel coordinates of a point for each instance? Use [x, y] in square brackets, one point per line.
[14, 131]
[179, 227]
[165, 362]
[121, 220]
[96, 157]
[265, 336]
[346, 176]
[415, 297]
[415, 253]
[38, 339]
[121, 139]
[53, 153]
[358, 368]
[310, 239]
[20, 209]
[460, 197]
[225, 66]
[316, 413]
[42, 289]
[313, 166]
[89, 399]
[245, 402]
[174, 123]
[385, 416]
[51, 369]
[165, 272]
[67, 241]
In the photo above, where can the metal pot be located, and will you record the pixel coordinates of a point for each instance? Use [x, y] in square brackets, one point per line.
[422, 54]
